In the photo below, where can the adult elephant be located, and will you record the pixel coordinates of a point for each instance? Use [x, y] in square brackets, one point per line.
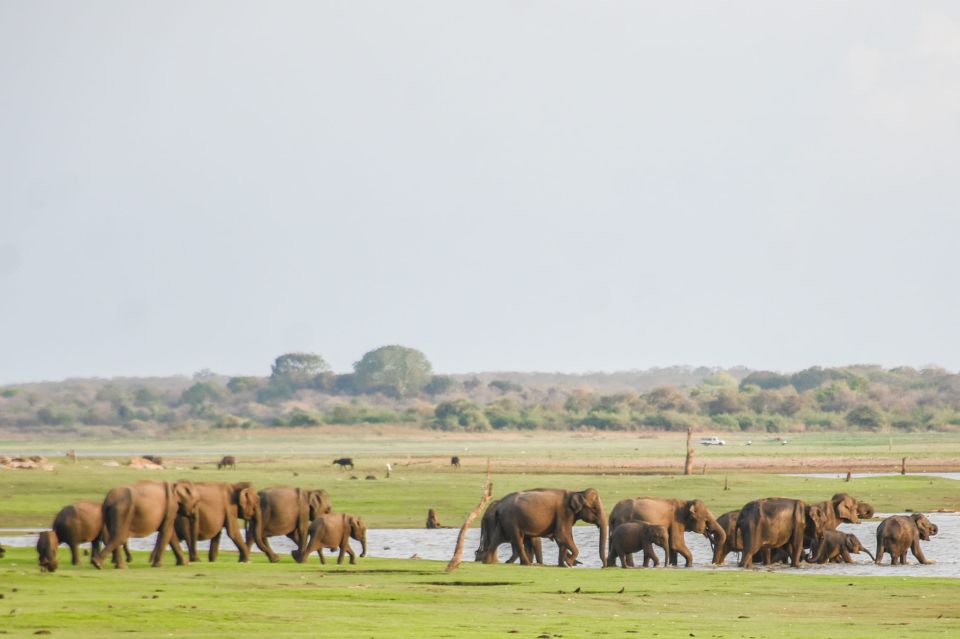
[219, 506]
[80, 522]
[286, 511]
[768, 524]
[334, 530]
[144, 508]
[898, 534]
[551, 513]
[492, 537]
[678, 516]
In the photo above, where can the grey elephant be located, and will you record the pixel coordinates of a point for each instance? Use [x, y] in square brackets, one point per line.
[492, 537]
[144, 508]
[633, 536]
[900, 533]
[551, 513]
[286, 511]
[678, 516]
[334, 530]
[219, 506]
[766, 525]
[837, 547]
[80, 522]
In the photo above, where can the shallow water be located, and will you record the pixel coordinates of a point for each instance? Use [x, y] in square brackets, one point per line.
[944, 549]
[863, 475]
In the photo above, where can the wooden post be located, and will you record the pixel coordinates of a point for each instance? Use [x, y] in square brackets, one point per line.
[903, 466]
[703, 471]
[849, 475]
[462, 537]
[726, 485]
[688, 466]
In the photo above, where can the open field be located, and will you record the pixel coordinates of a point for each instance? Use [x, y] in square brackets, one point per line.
[396, 598]
[422, 477]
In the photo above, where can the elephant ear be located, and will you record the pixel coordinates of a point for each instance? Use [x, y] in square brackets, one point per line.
[576, 502]
[186, 494]
[249, 501]
[356, 527]
[846, 509]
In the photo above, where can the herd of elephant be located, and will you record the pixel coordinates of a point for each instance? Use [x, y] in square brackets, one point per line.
[770, 530]
[199, 511]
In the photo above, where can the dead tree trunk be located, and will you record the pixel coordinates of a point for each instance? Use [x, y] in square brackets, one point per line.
[688, 466]
[903, 466]
[462, 537]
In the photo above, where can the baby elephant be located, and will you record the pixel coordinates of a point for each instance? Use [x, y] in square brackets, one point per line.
[835, 546]
[78, 523]
[334, 530]
[633, 536]
[900, 533]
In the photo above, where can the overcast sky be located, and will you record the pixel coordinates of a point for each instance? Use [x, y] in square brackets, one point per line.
[523, 185]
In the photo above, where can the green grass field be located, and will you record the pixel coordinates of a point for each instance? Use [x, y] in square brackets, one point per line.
[400, 598]
[409, 598]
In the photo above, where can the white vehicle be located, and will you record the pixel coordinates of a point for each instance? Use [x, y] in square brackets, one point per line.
[712, 441]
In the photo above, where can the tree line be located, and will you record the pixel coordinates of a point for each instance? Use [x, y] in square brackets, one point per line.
[397, 384]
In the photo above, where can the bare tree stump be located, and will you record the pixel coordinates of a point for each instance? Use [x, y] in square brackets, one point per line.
[726, 485]
[462, 537]
[849, 475]
[903, 466]
[432, 520]
[688, 466]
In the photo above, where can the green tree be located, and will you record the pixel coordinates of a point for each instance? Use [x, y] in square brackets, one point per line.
[200, 393]
[440, 384]
[396, 370]
[242, 384]
[866, 417]
[297, 369]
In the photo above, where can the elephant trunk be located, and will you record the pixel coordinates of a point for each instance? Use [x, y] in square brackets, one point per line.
[363, 544]
[870, 554]
[602, 525]
[720, 535]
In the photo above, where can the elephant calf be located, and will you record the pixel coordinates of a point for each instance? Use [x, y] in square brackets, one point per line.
[334, 530]
[899, 533]
[634, 536]
[78, 523]
[836, 546]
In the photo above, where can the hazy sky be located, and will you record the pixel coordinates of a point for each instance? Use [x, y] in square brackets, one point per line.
[504, 185]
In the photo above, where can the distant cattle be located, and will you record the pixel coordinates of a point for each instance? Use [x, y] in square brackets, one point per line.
[455, 461]
[343, 462]
[229, 461]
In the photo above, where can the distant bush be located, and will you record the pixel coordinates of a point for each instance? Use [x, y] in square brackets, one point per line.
[232, 421]
[304, 418]
[200, 393]
[505, 386]
[460, 414]
[8, 392]
[243, 384]
[359, 414]
[440, 385]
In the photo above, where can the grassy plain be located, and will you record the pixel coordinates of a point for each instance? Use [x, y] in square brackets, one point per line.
[409, 598]
[401, 598]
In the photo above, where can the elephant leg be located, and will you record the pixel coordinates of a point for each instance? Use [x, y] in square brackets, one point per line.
[75, 553]
[345, 547]
[565, 540]
[233, 532]
[537, 548]
[214, 551]
[264, 545]
[628, 563]
[878, 557]
[320, 554]
[301, 554]
[917, 552]
[126, 552]
[846, 555]
[519, 548]
[751, 544]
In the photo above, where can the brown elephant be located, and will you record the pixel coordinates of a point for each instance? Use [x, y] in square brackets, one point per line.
[723, 546]
[769, 524]
[286, 511]
[220, 505]
[864, 510]
[144, 508]
[492, 537]
[835, 546]
[899, 533]
[677, 515]
[334, 530]
[633, 536]
[79, 523]
[551, 513]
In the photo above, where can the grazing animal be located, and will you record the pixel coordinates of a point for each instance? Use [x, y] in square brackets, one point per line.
[156, 459]
[78, 523]
[229, 461]
[343, 462]
[455, 461]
